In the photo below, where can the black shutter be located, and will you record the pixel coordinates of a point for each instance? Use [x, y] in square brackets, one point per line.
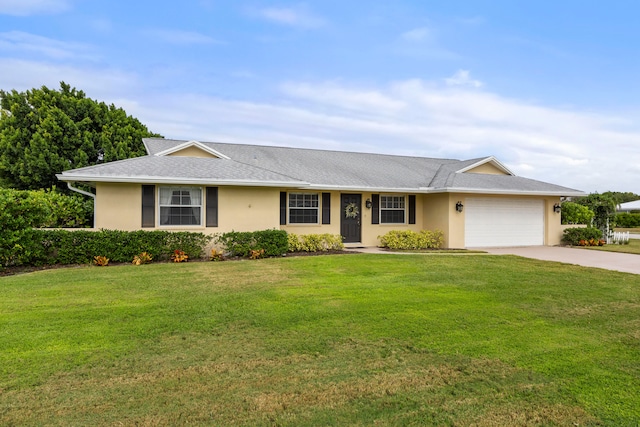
[412, 209]
[326, 208]
[375, 209]
[148, 205]
[283, 208]
[212, 207]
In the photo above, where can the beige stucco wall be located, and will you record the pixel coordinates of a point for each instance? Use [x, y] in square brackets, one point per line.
[440, 214]
[192, 152]
[487, 168]
[247, 209]
[118, 206]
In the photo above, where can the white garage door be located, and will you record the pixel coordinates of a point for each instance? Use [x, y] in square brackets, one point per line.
[503, 222]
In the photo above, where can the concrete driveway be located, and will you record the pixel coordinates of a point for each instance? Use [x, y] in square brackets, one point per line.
[628, 263]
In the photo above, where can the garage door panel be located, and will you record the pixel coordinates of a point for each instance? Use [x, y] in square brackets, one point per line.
[503, 222]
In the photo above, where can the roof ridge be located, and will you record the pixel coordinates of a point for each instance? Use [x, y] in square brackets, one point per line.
[281, 147]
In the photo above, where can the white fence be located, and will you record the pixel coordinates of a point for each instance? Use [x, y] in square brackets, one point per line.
[618, 237]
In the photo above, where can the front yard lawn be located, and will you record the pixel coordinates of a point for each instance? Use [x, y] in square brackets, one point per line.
[332, 340]
[632, 248]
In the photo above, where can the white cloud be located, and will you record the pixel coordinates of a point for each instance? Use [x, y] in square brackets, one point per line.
[97, 82]
[21, 42]
[422, 42]
[179, 37]
[418, 35]
[462, 78]
[297, 16]
[33, 7]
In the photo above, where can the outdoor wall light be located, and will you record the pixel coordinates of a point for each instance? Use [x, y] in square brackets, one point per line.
[368, 203]
[557, 208]
[459, 207]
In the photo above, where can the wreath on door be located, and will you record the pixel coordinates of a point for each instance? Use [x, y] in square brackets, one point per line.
[351, 210]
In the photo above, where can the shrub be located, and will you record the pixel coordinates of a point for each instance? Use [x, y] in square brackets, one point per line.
[48, 247]
[143, 258]
[408, 239]
[574, 213]
[315, 242]
[256, 254]
[216, 255]
[179, 256]
[628, 220]
[101, 261]
[241, 243]
[19, 211]
[573, 236]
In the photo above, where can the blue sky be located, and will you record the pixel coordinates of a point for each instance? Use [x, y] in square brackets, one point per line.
[548, 87]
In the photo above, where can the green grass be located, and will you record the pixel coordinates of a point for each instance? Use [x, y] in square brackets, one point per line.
[332, 340]
[632, 248]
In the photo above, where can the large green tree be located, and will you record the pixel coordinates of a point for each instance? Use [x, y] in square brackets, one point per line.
[44, 132]
[604, 207]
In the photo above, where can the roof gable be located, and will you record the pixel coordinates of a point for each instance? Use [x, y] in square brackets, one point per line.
[192, 149]
[489, 165]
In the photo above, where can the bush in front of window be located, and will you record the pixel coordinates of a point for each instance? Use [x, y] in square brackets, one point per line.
[242, 243]
[408, 239]
[315, 242]
[48, 247]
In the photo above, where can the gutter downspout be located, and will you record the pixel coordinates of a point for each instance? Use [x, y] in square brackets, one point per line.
[86, 193]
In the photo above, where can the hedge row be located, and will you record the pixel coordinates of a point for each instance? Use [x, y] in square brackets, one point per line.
[315, 242]
[48, 247]
[241, 243]
[628, 220]
[407, 239]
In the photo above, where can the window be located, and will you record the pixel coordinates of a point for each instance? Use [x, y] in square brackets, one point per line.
[392, 209]
[303, 208]
[180, 206]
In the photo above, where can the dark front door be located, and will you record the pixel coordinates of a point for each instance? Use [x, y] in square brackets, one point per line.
[351, 214]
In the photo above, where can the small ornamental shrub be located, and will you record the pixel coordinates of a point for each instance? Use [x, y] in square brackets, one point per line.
[256, 254]
[143, 258]
[179, 256]
[315, 242]
[408, 239]
[241, 243]
[581, 236]
[101, 261]
[216, 255]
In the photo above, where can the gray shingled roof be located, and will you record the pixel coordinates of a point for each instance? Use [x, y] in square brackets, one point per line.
[297, 167]
[167, 168]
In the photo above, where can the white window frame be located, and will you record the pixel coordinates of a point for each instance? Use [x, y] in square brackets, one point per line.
[316, 207]
[163, 204]
[396, 198]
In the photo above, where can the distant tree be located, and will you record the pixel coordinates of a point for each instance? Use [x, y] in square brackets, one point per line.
[622, 197]
[44, 132]
[574, 213]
